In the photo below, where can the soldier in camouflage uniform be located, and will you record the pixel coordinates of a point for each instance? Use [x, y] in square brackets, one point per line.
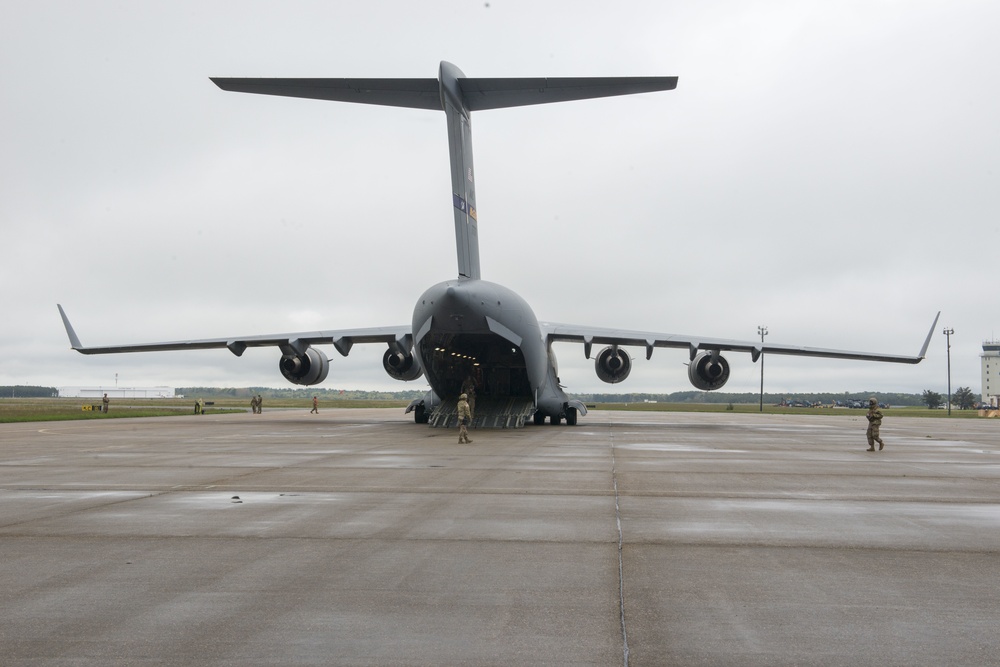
[464, 419]
[469, 389]
[874, 422]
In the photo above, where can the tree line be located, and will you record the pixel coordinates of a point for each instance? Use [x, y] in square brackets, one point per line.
[301, 393]
[963, 399]
[897, 399]
[22, 391]
[695, 396]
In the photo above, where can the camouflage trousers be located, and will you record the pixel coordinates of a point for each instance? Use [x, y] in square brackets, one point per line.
[463, 433]
[873, 435]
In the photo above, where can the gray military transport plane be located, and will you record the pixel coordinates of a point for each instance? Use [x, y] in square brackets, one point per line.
[468, 327]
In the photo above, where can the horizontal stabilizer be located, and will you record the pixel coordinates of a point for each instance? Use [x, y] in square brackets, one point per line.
[482, 94]
[410, 93]
[478, 94]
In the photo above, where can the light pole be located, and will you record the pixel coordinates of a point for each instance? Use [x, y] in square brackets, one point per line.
[947, 334]
[762, 330]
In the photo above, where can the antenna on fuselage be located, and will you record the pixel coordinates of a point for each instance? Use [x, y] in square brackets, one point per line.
[458, 96]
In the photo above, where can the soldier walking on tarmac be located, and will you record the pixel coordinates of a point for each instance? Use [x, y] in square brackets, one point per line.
[874, 422]
[464, 419]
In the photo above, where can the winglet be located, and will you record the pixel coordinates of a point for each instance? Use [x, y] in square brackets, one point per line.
[927, 341]
[74, 340]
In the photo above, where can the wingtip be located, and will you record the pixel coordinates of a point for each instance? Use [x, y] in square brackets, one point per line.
[930, 334]
[74, 340]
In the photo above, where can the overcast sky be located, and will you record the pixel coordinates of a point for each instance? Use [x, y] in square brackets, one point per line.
[828, 169]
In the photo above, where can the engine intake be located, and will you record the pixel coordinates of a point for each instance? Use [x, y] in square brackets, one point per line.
[707, 373]
[311, 367]
[401, 366]
[613, 365]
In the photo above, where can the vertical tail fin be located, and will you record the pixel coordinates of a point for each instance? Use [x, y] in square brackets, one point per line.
[458, 96]
[463, 177]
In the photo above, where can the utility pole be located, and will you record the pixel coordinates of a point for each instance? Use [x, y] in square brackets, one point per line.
[947, 334]
[762, 330]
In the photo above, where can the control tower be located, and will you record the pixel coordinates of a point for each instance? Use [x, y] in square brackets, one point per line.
[991, 372]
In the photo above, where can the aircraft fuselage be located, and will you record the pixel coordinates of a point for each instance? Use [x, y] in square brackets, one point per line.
[466, 327]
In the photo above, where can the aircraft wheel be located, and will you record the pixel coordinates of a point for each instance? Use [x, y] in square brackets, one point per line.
[555, 419]
[420, 415]
[539, 418]
[570, 416]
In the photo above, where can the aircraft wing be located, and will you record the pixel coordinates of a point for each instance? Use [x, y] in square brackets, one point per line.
[342, 339]
[695, 344]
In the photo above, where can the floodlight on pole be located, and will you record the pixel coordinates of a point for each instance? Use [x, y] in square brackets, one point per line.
[947, 334]
[762, 330]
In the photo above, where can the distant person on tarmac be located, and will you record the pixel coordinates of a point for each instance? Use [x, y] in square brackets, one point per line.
[315, 406]
[464, 419]
[874, 422]
[104, 403]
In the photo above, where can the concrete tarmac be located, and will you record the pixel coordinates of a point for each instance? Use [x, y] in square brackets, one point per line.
[355, 537]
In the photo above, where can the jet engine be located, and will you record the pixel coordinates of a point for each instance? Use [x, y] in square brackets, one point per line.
[708, 371]
[613, 365]
[401, 366]
[310, 367]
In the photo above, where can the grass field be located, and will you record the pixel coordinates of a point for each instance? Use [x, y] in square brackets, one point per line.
[60, 409]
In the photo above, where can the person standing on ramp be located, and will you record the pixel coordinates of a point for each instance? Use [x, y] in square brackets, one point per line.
[464, 419]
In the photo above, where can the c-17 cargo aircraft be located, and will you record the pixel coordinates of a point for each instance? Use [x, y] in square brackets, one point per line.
[468, 329]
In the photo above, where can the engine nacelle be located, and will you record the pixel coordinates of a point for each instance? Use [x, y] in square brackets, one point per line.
[311, 367]
[613, 365]
[707, 373]
[401, 366]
